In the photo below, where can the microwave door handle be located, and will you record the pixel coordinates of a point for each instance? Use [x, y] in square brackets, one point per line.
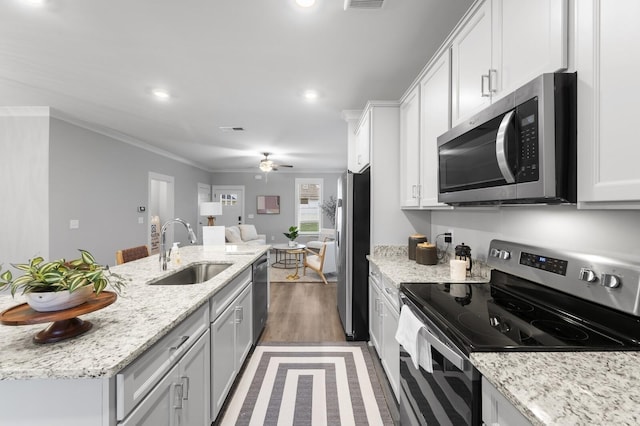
[501, 148]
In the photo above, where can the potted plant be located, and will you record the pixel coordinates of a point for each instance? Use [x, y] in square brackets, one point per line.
[60, 284]
[292, 235]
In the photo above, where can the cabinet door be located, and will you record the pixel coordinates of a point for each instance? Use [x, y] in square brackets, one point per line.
[471, 62]
[374, 315]
[410, 150]
[390, 358]
[363, 142]
[244, 323]
[160, 406]
[194, 371]
[435, 101]
[223, 353]
[497, 410]
[607, 64]
[529, 38]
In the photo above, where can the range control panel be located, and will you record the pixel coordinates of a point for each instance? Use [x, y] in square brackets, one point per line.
[549, 264]
[606, 280]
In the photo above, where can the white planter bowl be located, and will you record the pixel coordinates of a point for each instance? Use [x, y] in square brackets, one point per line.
[58, 300]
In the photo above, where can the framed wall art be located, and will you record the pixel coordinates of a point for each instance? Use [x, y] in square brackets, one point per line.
[268, 204]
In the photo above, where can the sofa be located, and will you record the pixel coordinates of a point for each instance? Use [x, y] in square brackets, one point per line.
[244, 234]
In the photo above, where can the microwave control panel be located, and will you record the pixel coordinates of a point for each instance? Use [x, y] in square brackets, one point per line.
[527, 126]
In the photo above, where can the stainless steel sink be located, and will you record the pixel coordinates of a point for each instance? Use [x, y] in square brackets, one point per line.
[193, 274]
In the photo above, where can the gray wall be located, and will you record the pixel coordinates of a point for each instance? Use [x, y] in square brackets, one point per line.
[278, 183]
[564, 227]
[101, 181]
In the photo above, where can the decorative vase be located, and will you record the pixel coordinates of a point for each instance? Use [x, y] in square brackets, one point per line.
[292, 243]
[58, 300]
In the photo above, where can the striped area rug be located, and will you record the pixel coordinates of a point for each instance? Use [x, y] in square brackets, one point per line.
[332, 384]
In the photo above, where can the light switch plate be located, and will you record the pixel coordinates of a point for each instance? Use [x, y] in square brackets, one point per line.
[74, 224]
[140, 219]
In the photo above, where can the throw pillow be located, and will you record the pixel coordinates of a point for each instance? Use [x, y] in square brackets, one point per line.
[232, 234]
[248, 232]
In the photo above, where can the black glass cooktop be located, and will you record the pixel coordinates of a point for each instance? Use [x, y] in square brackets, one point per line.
[510, 314]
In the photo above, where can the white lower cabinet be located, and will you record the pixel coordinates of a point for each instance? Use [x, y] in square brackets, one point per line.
[231, 340]
[182, 395]
[383, 323]
[390, 357]
[497, 410]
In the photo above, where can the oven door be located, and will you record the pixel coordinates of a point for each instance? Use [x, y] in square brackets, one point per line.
[478, 160]
[450, 395]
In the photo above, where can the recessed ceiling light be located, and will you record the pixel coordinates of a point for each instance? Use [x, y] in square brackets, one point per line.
[34, 3]
[310, 95]
[305, 3]
[161, 94]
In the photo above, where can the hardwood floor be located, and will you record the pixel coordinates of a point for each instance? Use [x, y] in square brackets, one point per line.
[303, 312]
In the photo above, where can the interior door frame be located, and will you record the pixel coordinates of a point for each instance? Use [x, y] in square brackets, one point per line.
[168, 207]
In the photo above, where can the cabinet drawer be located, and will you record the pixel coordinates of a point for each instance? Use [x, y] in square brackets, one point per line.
[135, 381]
[219, 302]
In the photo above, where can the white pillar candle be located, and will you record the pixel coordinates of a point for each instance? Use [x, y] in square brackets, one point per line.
[458, 269]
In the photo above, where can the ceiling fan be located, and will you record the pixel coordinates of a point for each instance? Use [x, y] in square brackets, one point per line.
[267, 165]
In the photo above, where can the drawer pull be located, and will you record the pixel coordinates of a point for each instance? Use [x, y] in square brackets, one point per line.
[185, 387]
[180, 342]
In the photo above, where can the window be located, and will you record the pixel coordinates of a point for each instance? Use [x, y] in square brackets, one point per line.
[308, 201]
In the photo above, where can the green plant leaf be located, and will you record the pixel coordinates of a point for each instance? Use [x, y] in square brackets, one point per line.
[6, 276]
[87, 257]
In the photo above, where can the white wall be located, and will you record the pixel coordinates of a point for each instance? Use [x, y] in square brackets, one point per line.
[24, 183]
[563, 227]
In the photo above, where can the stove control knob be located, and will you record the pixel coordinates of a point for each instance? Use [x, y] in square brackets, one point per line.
[495, 252]
[587, 275]
[610, 280]
[505, 255]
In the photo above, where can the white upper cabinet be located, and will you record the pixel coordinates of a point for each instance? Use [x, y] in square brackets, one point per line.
[410, 150]
[359, 154]
[504, 44]
[607, 64]
[471, 63]
[424, 115]
[435, 104]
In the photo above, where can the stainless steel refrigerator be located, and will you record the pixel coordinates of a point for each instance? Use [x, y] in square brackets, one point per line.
[352, 248]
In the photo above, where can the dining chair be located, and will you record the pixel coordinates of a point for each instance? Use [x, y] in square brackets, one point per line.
[133, 253]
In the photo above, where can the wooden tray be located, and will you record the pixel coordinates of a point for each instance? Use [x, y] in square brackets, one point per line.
[65, 323]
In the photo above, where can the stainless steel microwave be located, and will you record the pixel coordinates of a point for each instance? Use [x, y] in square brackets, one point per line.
[521, 149]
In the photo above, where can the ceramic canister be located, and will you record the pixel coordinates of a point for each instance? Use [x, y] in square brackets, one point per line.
[426, 254]
[414, 240]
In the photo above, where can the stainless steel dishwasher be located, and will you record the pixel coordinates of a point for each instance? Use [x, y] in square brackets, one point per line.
[260, 295]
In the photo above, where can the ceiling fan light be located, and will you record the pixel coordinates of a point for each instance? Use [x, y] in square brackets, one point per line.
[266, 165]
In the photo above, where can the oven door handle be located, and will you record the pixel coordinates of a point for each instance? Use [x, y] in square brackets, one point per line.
[446, 351]
[501, 148]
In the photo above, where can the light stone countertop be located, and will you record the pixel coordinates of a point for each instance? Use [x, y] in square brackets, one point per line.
[567, 388]
[549, 388]
[121, 331]
[394, 264]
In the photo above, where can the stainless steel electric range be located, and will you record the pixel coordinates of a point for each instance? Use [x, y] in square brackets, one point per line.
[537, 299]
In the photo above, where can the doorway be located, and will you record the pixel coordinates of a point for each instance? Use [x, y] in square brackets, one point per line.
[232, 200]
[161, 209]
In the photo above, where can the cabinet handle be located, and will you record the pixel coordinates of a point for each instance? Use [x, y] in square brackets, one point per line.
[185, 387]
[483, 78]
[239, 314]
[493, 81]
[177, 396]
[180, 342]
[419, 188]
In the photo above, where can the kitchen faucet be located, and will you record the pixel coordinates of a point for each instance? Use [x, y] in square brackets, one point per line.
[163, 253]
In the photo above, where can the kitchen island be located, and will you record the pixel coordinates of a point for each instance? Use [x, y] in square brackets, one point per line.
[121, 332]
[547, 388]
